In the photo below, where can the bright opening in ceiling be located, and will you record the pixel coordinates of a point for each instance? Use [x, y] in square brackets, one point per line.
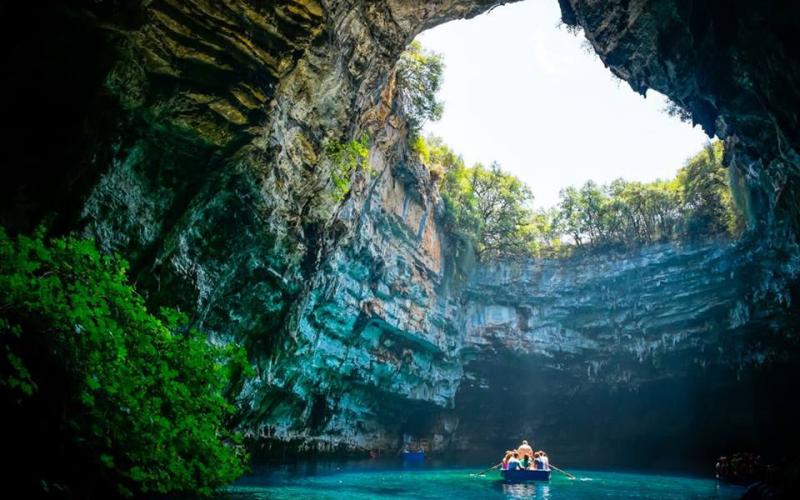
[521, 91]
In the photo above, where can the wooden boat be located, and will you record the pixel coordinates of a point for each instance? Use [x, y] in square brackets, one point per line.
[525, 475]
[414, 456]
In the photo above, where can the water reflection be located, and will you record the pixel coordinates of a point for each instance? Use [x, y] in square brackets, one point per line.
[527, 490]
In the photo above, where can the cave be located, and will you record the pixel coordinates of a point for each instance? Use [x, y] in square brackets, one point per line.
[189, 137]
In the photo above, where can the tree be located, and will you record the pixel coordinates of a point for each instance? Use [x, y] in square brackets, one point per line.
[419, 78]
[490, 208]
[461, 216]
[100, 396]
[707, 194]
[697, 203]
[592, 202]
[544, 234]
[501, 203]
[569, 214]
[441, 159]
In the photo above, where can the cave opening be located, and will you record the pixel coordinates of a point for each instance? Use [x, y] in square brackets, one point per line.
[622, 367]
[250, 238]
[522, 89]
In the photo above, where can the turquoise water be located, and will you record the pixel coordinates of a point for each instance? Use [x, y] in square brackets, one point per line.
[426, 482]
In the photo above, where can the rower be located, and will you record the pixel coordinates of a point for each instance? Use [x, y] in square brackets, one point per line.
[545, 460]
[509, 454]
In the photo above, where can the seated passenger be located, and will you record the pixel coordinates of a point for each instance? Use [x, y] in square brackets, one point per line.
[525, 463]
[537, 460]
[525, 450]
[509, 454]
[545, 461]
[513, 463]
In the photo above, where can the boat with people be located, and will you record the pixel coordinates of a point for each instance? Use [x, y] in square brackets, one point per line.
[523, 475]
[413, 456]
[414, 450]
[523, 465]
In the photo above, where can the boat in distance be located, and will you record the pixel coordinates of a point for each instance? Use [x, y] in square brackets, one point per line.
[413, 456]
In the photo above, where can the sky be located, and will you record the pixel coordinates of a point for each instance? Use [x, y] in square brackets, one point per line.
[520, 90]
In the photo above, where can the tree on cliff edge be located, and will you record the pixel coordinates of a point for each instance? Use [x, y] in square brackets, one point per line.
[419, 78]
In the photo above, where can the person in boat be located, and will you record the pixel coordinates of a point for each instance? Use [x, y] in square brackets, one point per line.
[525, 449]
[537, 461]
[545, 460]
[526, 462]
[513, 462]
[509, 454]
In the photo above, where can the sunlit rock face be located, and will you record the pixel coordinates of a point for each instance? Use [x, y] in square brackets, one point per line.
[659, 358]
[374, 350]
[190, 137]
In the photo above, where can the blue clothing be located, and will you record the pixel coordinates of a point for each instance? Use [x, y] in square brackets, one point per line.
[513, 464]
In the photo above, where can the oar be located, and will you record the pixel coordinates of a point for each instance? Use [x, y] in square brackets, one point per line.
[490, 468]
[563, 472]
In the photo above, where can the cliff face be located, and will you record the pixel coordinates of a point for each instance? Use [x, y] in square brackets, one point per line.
[191, 137]
[658, 358]
[376, 335]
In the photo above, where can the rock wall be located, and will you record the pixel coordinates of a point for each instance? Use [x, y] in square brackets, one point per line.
[376, 336]
[732, 66]
[662, 358]
[200, 156]
[190, 136]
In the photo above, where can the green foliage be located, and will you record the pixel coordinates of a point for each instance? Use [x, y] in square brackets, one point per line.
[696, 204]
[490, 209]
[420, 146]
[437, 156]
[707, 194]
[419, 77]
[675, 110]
[544, 236]
[621, 213]
[102, 393]
[345, 159]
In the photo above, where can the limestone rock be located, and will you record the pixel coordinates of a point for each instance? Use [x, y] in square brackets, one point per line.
[190, 136]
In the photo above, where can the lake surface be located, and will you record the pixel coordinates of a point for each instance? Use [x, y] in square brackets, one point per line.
[375, 481]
